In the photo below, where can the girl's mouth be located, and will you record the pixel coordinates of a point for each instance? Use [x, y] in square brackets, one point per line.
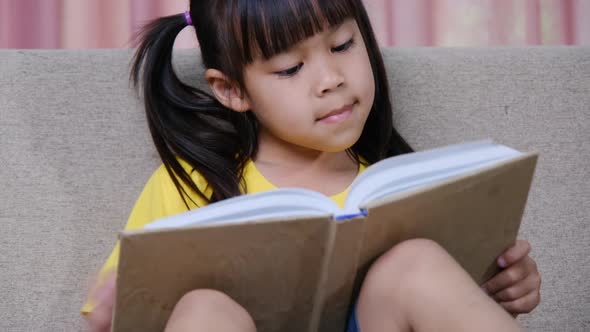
[337, 115]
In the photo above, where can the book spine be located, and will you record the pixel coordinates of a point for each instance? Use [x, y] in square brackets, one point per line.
[320, 294]
[363, 213]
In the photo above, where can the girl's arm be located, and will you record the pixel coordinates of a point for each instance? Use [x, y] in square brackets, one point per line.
[100, 318]
[158, 199]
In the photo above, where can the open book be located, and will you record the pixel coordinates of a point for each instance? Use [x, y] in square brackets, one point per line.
[295, 260]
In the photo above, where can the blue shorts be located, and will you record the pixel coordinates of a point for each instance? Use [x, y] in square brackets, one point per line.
[353, 324]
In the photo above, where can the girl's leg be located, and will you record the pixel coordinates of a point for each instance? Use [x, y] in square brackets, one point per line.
[418, 286]
[209, 310]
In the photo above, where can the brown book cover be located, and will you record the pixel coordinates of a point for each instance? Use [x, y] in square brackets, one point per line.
[302, 274]
[475, 217]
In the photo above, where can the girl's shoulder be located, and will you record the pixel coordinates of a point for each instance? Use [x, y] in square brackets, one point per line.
[162, 182]
[160, 197]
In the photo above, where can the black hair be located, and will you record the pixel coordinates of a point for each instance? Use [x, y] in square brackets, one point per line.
[188, 123]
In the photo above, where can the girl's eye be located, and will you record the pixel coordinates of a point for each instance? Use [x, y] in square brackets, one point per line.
[294, 70]
[290, 72]
[343, 47]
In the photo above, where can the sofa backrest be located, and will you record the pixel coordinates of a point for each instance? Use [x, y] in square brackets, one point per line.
[75, 153]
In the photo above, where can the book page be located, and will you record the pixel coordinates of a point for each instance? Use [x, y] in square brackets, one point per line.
[284, 203]
[398, 174]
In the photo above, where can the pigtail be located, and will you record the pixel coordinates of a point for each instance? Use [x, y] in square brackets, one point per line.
[186, 122]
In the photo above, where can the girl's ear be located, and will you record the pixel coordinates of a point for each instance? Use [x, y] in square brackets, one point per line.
[226, 92]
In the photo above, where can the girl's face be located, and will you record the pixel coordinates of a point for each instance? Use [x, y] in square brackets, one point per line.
[317, 95]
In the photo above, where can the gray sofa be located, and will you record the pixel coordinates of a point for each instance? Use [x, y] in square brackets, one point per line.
[75, 153]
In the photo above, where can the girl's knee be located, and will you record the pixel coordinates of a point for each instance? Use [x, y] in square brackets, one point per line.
[407, 261]
[208, 307]
[395, 281]
[411, 254]
[204, 299]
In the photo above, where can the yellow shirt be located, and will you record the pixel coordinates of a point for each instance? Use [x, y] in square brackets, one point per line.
[160, 199]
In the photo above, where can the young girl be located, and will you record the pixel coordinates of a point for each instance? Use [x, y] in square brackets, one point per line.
[300, 98]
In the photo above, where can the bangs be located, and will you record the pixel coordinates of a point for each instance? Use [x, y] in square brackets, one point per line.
[265, 28]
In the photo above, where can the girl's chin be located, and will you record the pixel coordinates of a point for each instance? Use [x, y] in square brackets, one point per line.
[338, 146]
[338, 142]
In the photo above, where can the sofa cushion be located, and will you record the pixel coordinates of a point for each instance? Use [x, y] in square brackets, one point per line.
[75, 153]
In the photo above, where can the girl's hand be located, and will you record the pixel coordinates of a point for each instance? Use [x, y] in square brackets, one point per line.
[517, 287]
[99, 320]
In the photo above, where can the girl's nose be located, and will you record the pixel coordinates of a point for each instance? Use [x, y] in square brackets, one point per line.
[329, 79]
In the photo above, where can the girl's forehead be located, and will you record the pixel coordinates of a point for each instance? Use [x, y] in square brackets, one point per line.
[347, 27]
[272, 27]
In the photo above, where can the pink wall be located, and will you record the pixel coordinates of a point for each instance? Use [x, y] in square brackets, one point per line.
[110, 23]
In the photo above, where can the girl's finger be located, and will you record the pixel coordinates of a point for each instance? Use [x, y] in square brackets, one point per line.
[515, 253]
[524, 304]
[506, 278]
[522, 288]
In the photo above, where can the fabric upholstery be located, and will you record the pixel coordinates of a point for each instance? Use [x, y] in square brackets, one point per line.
[75, 153]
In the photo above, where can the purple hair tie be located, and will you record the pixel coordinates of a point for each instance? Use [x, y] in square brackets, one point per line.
[187, 15]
